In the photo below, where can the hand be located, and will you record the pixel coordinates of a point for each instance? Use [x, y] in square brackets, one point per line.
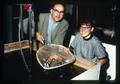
[39, 37]
[102, 61]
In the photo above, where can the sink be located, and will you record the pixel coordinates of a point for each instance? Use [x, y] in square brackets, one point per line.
[53, 56]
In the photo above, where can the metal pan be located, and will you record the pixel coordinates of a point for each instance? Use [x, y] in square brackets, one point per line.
[54, 56]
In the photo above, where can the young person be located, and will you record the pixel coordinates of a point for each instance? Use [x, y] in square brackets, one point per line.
[86, 45]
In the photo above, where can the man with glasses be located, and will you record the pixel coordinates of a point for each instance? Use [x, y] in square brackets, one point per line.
[52, 27]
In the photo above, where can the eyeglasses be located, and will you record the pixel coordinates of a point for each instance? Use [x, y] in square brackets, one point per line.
[57, 11]
[85, 28]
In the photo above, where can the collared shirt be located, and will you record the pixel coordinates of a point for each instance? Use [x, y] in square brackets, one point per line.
[51, 27]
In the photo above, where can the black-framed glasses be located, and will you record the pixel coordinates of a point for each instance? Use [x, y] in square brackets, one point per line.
[85, 27]
[57, 11]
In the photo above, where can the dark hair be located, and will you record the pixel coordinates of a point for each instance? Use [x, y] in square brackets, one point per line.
[87, 21]
[54, 2]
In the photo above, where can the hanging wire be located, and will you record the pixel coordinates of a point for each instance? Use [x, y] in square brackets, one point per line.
[20, 27]
[30, 27]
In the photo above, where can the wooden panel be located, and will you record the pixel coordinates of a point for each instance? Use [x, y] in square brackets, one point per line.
[9, 47]
[86, 64]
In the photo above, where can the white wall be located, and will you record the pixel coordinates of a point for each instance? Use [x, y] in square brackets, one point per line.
[111, 50]
[91, 74]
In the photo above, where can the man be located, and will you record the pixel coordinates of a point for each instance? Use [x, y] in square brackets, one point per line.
[86, 45]
[51, 26]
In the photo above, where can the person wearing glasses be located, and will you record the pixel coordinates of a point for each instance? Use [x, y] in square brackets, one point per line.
[86, 45]
[52, 27]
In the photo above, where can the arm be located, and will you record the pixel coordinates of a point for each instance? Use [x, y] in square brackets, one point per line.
[100, 52]
[42, 27]
[39, 38]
